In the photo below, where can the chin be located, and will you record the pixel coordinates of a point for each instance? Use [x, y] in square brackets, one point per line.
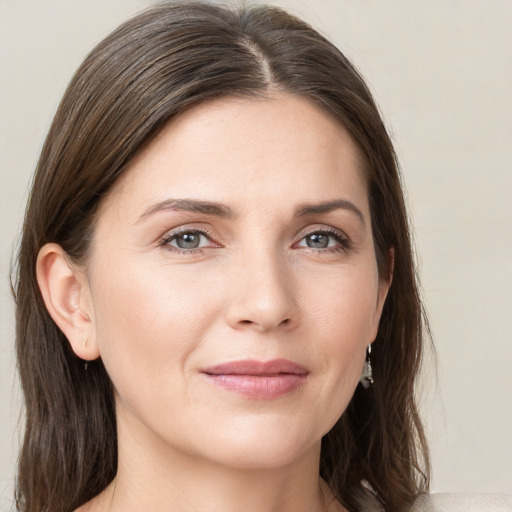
[265, 457]
[263, 446]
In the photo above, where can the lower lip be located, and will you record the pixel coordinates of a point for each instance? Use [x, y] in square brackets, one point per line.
[261, 387]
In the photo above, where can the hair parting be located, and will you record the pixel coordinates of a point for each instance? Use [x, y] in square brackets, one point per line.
[151, 69]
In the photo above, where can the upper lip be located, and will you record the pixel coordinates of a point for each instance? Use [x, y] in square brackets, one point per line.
[257, 368]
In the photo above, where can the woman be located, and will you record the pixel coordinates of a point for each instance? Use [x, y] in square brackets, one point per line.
[215, 254]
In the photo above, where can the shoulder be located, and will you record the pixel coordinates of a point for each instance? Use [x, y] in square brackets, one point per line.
[456, 502]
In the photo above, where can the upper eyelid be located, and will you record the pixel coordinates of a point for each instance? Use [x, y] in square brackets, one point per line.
[329, 230]
[340, 238]
[310, 229]
[170, 235]
[166, 239]
[187, 229]
[210, 234]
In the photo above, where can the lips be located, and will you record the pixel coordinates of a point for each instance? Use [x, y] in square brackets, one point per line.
[262, 380]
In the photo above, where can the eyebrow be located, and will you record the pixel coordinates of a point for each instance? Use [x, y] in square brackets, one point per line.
[329, 206]
[189, 205]
[224, 211]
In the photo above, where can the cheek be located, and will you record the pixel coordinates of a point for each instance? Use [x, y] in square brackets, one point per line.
[341, 319]
[148, 321]
[343, 303]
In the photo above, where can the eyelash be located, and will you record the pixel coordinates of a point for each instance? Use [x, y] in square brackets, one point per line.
[344, 243]
[167, 239]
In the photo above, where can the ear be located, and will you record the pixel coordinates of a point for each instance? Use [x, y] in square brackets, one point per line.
[67, 298]
[385, 281]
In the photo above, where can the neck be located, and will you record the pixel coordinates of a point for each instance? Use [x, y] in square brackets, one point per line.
[162, 479]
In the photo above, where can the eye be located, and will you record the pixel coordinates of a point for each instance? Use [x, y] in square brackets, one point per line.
[324, 240]
[187, 240]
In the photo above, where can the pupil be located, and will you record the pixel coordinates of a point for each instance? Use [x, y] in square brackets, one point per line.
[188, 241]
[318, 241]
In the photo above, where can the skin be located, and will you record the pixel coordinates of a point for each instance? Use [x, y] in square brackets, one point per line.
[256, 287]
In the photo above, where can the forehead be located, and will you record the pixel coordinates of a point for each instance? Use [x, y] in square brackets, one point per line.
[233, 149]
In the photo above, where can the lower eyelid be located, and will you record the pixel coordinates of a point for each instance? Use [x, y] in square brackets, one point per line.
[341, 239]
[170, 236]
[343, 242]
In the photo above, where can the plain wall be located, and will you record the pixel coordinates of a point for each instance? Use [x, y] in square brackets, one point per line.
[441, 73]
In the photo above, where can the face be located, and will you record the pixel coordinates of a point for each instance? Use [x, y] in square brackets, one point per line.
[233, 283]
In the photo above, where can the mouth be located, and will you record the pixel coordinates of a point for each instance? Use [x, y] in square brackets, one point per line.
[262, 380]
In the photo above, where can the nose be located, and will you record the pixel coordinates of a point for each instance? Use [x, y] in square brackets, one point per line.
[263, 296]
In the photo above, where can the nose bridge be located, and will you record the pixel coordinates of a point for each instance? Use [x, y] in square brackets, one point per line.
[264, 294]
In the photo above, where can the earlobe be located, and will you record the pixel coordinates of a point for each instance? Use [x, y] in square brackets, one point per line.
[67, 298]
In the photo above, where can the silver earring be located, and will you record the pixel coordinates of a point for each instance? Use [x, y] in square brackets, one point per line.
[366, 378]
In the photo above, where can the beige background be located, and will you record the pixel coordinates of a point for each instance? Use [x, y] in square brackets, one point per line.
[442, 72]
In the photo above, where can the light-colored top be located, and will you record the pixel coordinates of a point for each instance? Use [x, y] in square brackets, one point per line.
[458, 502]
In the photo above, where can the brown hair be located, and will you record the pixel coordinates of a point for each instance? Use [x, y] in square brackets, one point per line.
[153, 67]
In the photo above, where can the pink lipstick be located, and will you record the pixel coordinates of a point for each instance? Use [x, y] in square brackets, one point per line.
[262, 380]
